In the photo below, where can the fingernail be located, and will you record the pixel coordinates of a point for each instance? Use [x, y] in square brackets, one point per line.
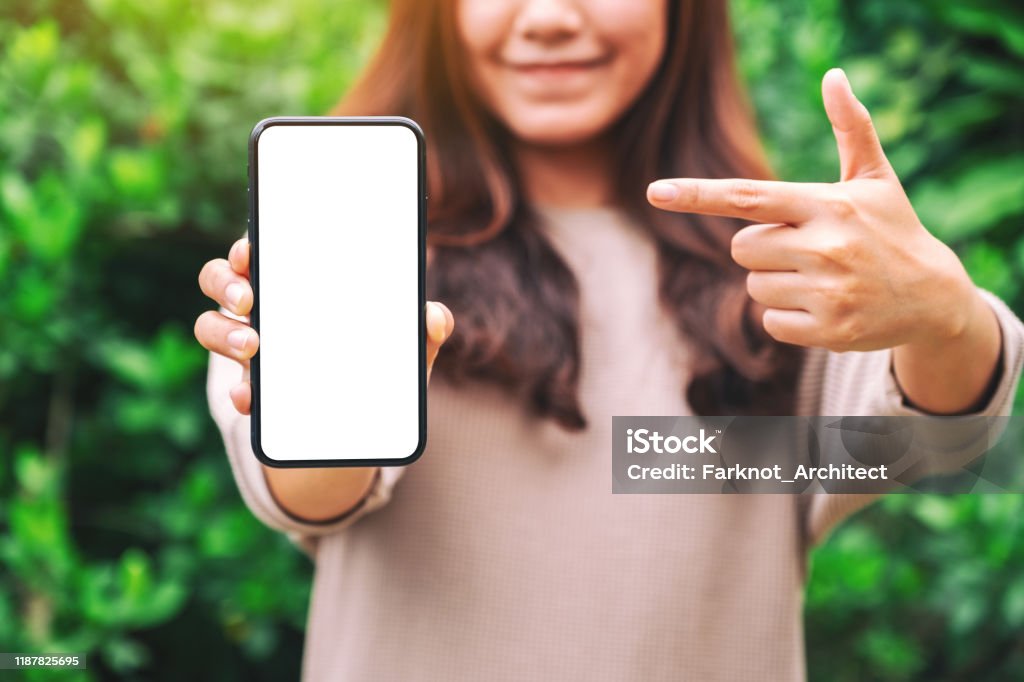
[234, 293]
[842, 76]
[663, 191]
[238, 337]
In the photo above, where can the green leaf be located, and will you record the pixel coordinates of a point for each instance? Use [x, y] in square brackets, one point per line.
[990, 268]
[974, 201]
[1013, 605]
[1006, 25]
[124, 655]
[937, 513]
[35, 475]
[86, 143]
[34, 49]
[46, 216]
[129, 594]
[129, 361]
[137, 175]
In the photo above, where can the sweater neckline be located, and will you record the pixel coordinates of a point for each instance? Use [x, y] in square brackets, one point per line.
[555, 211]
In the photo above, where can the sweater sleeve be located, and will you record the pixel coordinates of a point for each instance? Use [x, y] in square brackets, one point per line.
[223, 373]
[864, 384]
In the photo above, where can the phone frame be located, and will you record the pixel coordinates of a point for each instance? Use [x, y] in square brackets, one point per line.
[253, 230]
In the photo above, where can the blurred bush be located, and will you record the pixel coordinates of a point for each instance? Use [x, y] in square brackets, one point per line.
[123, 128]
[922, 588]
[122, 148]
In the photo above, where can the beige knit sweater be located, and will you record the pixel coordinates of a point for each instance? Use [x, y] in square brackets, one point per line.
[503, 555]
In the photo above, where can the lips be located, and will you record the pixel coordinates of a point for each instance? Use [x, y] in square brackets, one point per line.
[556, 68]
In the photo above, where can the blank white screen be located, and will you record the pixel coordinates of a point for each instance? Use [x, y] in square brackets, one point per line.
[338, 263]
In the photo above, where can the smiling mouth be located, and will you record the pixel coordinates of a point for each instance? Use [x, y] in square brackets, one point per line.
[559, 68]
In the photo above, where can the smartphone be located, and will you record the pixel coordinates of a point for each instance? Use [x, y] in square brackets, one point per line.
[337, 232]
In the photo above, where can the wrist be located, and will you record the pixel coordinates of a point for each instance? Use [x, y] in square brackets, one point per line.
[952, 371]
[958, 314]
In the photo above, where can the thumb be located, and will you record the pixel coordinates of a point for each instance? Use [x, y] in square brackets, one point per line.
[440, 324]
[860, 152]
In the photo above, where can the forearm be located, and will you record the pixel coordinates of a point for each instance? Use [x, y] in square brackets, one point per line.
[950, 376]
[319, 494]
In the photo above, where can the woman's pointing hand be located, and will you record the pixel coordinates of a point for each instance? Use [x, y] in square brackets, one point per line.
[846, 265]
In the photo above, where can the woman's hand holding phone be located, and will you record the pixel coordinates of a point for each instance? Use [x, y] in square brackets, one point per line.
[310, 493]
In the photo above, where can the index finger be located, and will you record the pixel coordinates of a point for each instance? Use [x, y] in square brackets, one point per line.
[763, 201]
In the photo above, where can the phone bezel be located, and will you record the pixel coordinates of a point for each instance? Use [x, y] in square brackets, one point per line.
[253, 232]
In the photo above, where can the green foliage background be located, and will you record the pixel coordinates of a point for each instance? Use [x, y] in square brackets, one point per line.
[123, 128]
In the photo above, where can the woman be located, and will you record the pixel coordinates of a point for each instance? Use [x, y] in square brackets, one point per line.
[582, 293]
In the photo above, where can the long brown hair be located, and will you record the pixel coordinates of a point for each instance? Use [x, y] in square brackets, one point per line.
[514, 299]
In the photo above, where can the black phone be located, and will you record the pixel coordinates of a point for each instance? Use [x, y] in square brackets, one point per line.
[337, 232]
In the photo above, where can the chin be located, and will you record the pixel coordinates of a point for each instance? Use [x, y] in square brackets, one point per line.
[563, 134]
[559, 128]
[555, 138]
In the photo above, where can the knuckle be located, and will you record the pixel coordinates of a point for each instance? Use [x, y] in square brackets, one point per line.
[839, 299]
[844, 332]
[203, 325]
[211, 274]
[223, 277]
[863, 117]
[840, 204]
[689, 193]
[840, 250]
[743, 194]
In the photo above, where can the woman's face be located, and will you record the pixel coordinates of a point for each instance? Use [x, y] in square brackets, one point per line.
[560, 72]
